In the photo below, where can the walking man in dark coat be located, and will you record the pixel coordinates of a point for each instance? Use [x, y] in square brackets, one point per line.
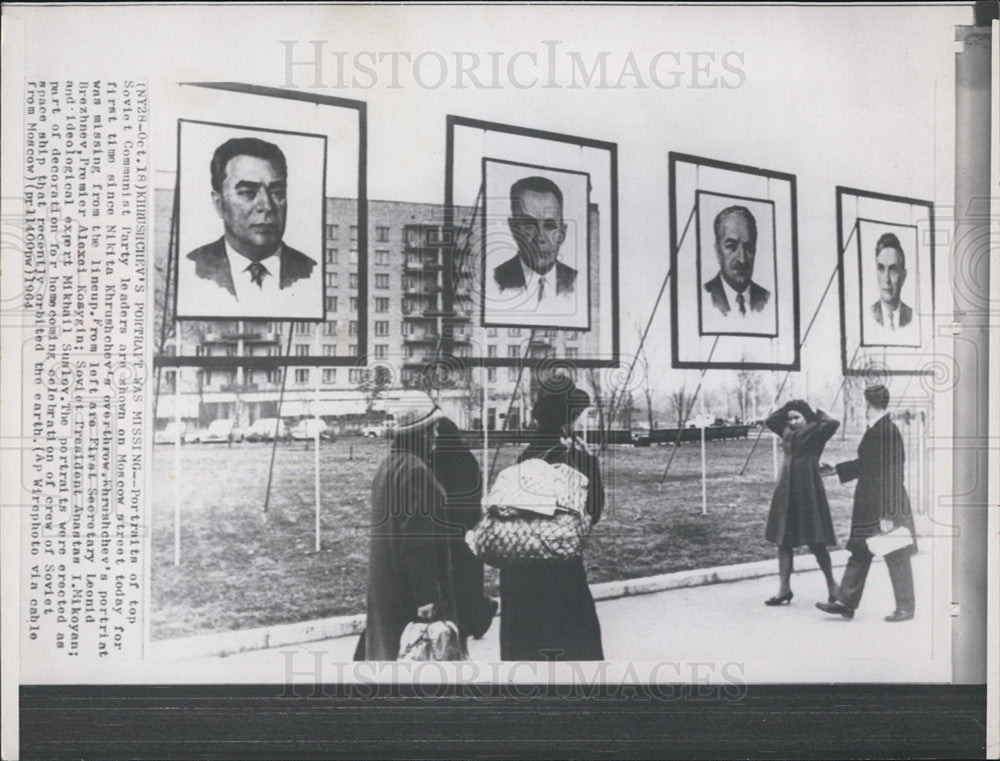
[407, 568]
[880, 505]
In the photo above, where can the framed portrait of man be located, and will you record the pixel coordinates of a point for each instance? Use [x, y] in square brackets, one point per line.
[536, 271]
[250, 224]
[886, 281]
[734, 265]
[536, 217]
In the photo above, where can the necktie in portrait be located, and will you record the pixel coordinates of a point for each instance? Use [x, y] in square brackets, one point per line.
[742, 303]
[257, 272]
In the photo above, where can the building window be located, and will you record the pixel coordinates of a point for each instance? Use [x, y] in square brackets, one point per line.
[381, 328]
[491, 374]
[353, 280]
[491, 332]
[512, 374]
[329, 375]
[331, 256]
[332, 230]
[405, 328]
[331, 303]
[170, 381]
[331, 279]
[352, 350]
[303, 329]
[382, 234]
[329, 350]
[382, 280]
[330, 328]
[356, 375]
[352, 256]
[352, 328]
[301, 375]
[354, 233]
[382, 257]
[413, 236]
[572, 335]
[381, 351]
[301, 350]
[572, 352]
[354, 303]
[491, 351]
[382, 304]
[514, 332]
[513, 352]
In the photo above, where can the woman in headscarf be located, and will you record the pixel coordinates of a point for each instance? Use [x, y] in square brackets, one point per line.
[407, 569]
[458, 472]
[547, 611]
[800, 513]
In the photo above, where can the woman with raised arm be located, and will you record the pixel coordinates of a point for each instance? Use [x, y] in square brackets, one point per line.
[800, 513]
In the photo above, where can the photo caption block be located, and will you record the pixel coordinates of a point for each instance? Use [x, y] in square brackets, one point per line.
[86, 181]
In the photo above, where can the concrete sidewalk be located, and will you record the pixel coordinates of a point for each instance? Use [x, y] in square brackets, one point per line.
[728, 622]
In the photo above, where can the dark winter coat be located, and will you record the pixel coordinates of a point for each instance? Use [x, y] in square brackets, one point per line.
[406, 566]
[547, 611]
[800, 513]
[879, 494]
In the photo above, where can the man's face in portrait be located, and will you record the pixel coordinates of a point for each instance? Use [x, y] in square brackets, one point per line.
[538, 228]
[891, 275]
[735, 247]
[253, 205]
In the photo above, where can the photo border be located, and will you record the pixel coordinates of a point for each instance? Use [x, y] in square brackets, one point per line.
[533, 363]
[675, 158]
[482, 283]
[840, 192]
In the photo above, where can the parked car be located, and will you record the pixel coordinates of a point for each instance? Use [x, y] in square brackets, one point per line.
[267, 429]
[371, 431]
[170, 434]
[701, 421]
[218, 431]
[307, 429]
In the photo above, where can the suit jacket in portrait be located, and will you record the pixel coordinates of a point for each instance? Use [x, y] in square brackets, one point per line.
[759, 295]
[878, 468]
[905, 314]
[510, 275]
[212, 263]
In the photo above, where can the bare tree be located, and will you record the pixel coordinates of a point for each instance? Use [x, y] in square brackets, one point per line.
[681, 403]
[373, 385]
[598, 398]
[747, 392]
[648, 387]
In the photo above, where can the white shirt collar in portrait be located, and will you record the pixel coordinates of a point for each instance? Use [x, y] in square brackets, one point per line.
[890, 317]
[551, 302]
[732, 297]
[248, 291]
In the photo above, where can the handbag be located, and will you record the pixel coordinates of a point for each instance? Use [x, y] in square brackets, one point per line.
[511, 536]
[437, 640]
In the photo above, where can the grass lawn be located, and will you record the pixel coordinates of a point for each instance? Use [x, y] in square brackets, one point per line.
[239, 569]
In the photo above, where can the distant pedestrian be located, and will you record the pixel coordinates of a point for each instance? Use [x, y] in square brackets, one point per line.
[407, 566]
[880, 505]
[800, 513]
[458, 472]
[547, 611]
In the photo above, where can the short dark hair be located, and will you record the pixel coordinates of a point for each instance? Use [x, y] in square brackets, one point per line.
[877, 396]
[244, 146]
[535, 184]
[889, 240]
[741, 211]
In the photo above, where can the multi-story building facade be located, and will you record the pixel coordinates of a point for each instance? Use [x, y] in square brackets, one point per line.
[407, 328]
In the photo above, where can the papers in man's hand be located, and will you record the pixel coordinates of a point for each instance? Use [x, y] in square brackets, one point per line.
[539, 487]
[883, 544]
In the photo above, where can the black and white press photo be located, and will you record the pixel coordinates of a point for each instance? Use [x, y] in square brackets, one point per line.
[537, 266]
[250, 227]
